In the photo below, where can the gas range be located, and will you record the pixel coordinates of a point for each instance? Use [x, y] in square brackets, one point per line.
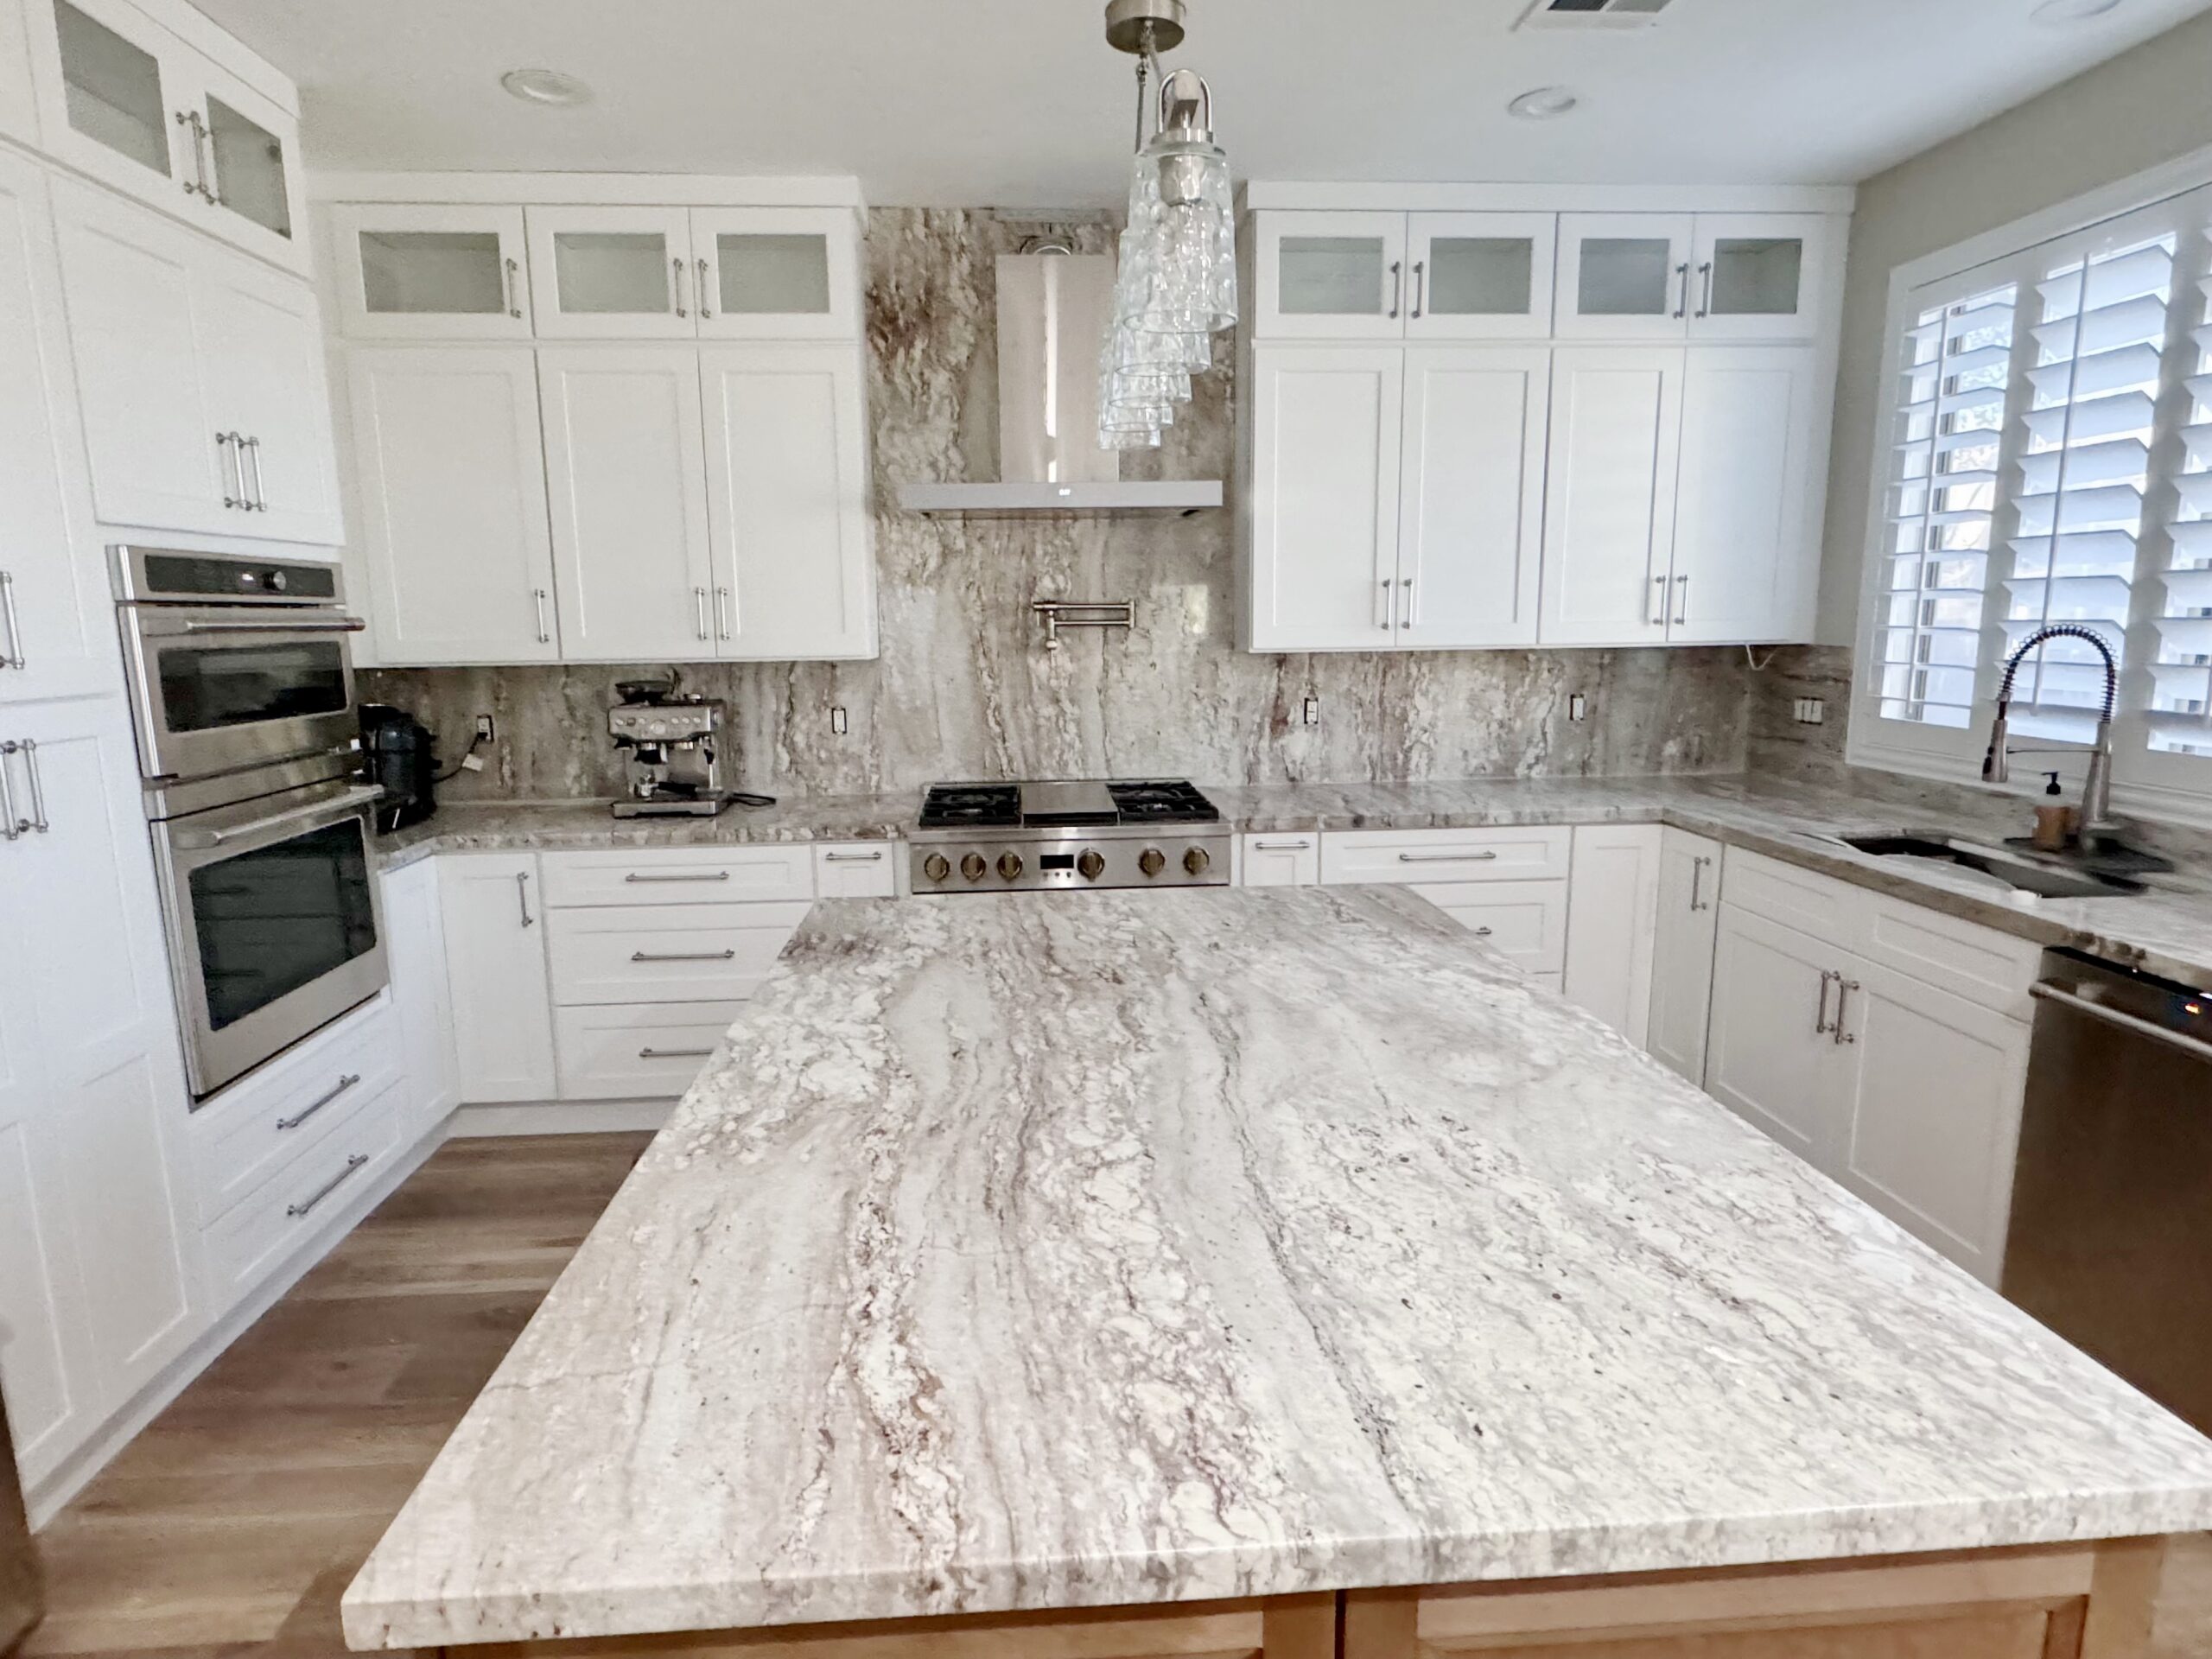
[1040, 836]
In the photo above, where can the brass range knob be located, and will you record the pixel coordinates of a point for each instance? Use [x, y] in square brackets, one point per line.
[1091, 865]
[1152, 860]
[937, 867]
[1009, 865]
[973, 867]
[1195, 861]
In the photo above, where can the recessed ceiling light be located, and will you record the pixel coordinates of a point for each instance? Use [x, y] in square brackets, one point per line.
[1544, 104]
[545, 86]
[2057, 14]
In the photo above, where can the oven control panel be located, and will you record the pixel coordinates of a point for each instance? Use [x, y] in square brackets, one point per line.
[1183, 858]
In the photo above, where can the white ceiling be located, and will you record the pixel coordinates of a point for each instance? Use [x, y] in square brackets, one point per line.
[1021, 102]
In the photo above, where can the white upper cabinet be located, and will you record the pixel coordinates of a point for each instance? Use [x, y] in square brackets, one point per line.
[18, 92]
[123, 100]
[449, 474]
[1623, 275]
[429, 271]
[1728, 277]
[56, 619]
[794, 559]
[626, 478]
[1616, 432]
[612, 273]
[1471, 496]
[1480, 276]
[776, 273]
[201, 376]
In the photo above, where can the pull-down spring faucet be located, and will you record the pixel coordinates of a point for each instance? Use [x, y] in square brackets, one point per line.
[2096, 788]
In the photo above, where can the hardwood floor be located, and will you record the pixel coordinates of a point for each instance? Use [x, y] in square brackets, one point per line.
[231, 1526]
[234, 1522]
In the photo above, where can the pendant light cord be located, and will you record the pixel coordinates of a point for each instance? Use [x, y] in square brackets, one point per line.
[1147, 60]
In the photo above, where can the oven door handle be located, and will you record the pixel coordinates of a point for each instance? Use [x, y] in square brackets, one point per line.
[337, 807]
[305, 624]
[2074, 1002]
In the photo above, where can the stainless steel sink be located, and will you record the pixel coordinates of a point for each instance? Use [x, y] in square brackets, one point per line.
[2046, 877]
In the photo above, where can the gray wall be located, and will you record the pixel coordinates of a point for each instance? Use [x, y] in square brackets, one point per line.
[2145, 106]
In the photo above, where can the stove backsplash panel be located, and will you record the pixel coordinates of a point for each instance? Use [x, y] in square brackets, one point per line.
[964, 687]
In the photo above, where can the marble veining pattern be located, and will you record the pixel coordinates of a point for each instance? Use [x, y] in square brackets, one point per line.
[1107, 1248]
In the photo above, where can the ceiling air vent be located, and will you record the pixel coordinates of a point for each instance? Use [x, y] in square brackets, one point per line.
[1593, 14]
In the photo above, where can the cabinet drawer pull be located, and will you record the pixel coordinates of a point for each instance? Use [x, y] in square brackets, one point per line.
[306, 1112]
[1445, 858]
[853, 858]
[642, 878]
[1482, 932]
[354, 1166]
[675, 1053]
[522, 897]
[1282, 846]
[1697, 883]
[1843, 987]
[682, 955]
[1828, 976]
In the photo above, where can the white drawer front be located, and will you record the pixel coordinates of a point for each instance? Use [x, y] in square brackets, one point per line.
[1284, 861]
[284, 1213]
[1977, 962]
[705, 953]
[861, 869]
[679, 875]
[1525, 922]
[1811, 903]
[261, 1123]
[623, 1052]
[1425, 856]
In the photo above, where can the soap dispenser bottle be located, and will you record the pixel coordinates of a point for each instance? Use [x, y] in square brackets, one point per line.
[2056, 823]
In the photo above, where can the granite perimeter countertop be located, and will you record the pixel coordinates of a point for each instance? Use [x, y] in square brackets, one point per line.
[1092, 1248]
[2165, 930]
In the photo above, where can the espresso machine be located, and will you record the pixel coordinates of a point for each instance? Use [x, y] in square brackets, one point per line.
[668, 739]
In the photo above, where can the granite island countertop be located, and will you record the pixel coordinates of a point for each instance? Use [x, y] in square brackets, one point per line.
[1082, 1249]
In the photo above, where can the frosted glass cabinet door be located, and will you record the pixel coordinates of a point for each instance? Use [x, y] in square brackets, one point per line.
[105, 103]
[1332, 275]
[1757, 275]
[776, 273]
[251, 150]
[1623, 275]
[612, 273]
[430, 272]
[1480, 276]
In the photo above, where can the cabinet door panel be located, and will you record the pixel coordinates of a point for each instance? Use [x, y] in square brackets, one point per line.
[260, 347]
[1759, 276]
[1764, 1060]
[1747, 561]
[1525, 922]
[1281, 861]
[1324, 497]
[494, 922]
[1471, 523]
[1612, 924]
[415, 939]
[611, 273]
[1326, 275]
[415, 272]
[776, 273]
[450, 470]
[1623, 277]
[1616, 428]
[1932, 1120]
[44, 1372]
[108, 102]
[1681, 969]
[253, 167]
[1480, 276]
[787, 499]
[626, 477]
[56, 627]
[149, 431]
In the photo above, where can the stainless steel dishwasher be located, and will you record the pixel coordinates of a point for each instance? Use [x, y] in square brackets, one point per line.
[2110, 1243]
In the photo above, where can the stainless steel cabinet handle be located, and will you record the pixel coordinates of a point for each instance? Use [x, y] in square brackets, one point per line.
[676, 286]
[1843, 987]
[11, 827]
[1407, 621]
[1681, 600]
[700, 297]
[853, 858]
[1482, 932]
[14, 623]
[1397, 286]
[233, 466]
[344, 1083]
[699, 602]
[2074, 1002]
[1659, 601]
[198, 129]
[1281, 845]
[674, 1053]
[1705, 305]
[682, 955]
[721, 611]
[1683, 302]
[1420, 285]
[354, 1165]
[1389, 606]
[537, 597]
[29, 749]
[258, 501]
[1828, 976]
[1697, 883]
[702, 875]
[1445, 858]
[522, 897]
[510, 271]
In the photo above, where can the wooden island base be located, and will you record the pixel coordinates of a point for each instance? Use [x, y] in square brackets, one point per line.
[2083, 1601]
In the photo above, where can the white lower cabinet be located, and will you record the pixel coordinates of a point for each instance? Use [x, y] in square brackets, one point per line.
[1681, 956]
[1612, 924]
[857, 871]
[1279, 860]
[697, 953]
[495, 924]
[636, 1051]
[1509, 887]
[415, 946]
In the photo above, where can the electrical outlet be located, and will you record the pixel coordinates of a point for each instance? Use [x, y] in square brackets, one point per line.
[484, 729]
[1811, 711]
[837, 722]
[1313, 711]
[1578, 706]
[472, 763]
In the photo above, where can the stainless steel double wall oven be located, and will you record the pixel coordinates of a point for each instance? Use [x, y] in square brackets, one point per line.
[242, 689]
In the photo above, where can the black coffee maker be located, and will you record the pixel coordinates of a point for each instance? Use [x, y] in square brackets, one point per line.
[399, 755]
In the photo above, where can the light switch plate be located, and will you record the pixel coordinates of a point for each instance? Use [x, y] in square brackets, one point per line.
[1578, 706]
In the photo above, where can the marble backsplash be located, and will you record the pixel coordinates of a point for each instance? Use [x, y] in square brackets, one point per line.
[964, 687]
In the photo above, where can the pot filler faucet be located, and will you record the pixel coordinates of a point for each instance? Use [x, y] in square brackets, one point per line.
[2096, 788]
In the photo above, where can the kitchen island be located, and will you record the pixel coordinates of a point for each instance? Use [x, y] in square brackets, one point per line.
[1125, 1274]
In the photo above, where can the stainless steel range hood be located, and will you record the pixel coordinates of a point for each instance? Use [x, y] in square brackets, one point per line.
[1053, 311]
